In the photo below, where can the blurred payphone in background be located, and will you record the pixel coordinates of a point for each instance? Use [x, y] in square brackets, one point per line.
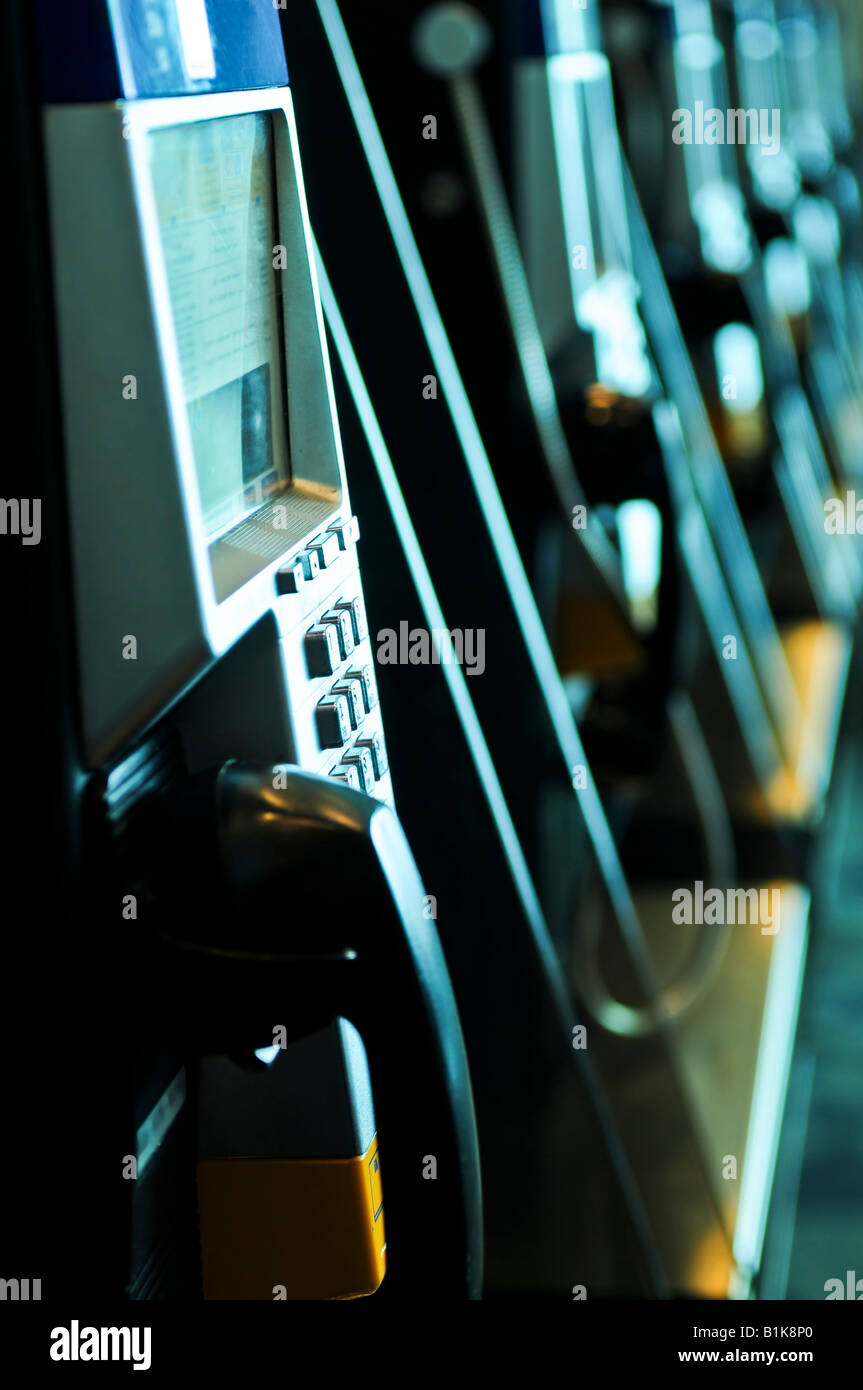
[560, 820]
[767, 779]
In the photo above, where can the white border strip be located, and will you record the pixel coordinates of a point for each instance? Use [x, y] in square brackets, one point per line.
[775, 1051]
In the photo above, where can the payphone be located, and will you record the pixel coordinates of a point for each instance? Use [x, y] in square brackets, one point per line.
[551, 100]
[240, 792]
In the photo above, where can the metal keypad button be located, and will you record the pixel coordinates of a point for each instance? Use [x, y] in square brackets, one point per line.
[347, 532]
[326, 548]
[322, 649]
[377, 748]
[353, 693]
[290, 578]
[347, 773]
[364, 763]
[356, 608]
[333, 720]
[366, 676]
[310, 563]
[341, 621]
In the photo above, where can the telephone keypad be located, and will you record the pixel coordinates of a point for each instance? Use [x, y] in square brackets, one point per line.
[329, 665]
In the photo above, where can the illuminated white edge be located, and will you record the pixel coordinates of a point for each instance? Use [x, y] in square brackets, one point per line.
[589, 66]
[198, 58]
[153, 1129]
[775, 1051]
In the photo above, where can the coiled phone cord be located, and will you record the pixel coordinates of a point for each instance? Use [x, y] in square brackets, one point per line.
[677, 998]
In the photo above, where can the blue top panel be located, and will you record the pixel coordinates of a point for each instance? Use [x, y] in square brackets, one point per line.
[101, 50]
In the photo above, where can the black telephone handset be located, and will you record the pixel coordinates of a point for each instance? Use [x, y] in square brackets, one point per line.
[295, 900]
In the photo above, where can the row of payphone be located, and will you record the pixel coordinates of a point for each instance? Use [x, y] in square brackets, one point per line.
[394, 945]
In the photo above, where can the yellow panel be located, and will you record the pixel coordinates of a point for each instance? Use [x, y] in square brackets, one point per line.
[292, 1228]
[817, 653]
